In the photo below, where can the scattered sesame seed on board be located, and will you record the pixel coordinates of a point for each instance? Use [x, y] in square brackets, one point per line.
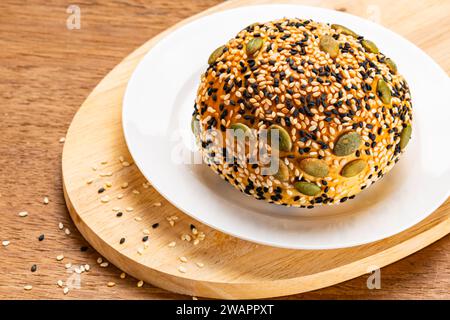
[126, 164]
[87, 267]
[68, 265]
[105, 199]
[46, 200]
[99, 260]
[183, 259]
[136, 192]
[60, 283]
[28, 287]
[140, 284]
[124, 185]
[157, 204]
[60, 226]
[66, 290]
[67, 231]
[89, 181]
[23, 214]
[5, 243]
[60, 257]
[200, 264]
[104, 264]
[129, 209]
[123, 275]
[120, 196]
[62, 140]
[172, 244]
[138, 218]
[182, 269]
[111, 284]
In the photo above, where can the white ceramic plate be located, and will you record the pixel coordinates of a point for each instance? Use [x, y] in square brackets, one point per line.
[157, 109]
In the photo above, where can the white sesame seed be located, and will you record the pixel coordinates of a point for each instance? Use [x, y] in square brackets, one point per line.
[182, 269]
[62, 140]
[172, 244]
[129, 209]
[194, 298]
[125, 164]
[99, 260]
[89, 181]
[123, 275]
[46, 201]
[111, 284]
[104, 264]
[183, 259]
[119, 196]
[138, 218]
[6, 243]
[28, 287]
[60, 283]
[60, 226]
[199, 264]
[68, 265]
[23, 214]
[66, 290]
[124, 185]
[140, 283]
[60, 257]
[87, 267]
[157, 204]
[67, 231]
[136, 191]
[140, 251]
[105, 199]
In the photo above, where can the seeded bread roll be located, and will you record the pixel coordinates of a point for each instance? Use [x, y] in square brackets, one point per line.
[343, 112]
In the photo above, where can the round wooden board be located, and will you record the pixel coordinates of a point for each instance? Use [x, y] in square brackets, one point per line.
[232, 268]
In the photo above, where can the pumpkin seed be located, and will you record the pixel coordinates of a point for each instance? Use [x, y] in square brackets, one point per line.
[391, 65]
[370, 46]
[284, 139]
[405, 136]
[329, 45]
[347, 144]
[283, 171]
[240, 126]
[344, 30]
[353, 168]
[253, 46]
[216, 54]
[195, 125]
[307, 188]
[314, 167]
[383, 91]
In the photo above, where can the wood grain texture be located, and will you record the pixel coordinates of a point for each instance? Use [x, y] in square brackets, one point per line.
[47, 73]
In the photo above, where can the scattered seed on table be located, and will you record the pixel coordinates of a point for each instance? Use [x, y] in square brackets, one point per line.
[23, 214]
[87, 267]
[116, 209]
[140, 251]
[123, 275]
[89, 181]
[28, 287]
[105, 199]
[119, 214]
[124, 185]
[46, 201]
[140, 283]
[194, 298]
[155, 225]
[6, 243]
[62, 139]
[33, 268]
[122, 240]
[145, 238]
[196, 242]
[136, 191]
[146, 232]
[60, 257]
[41, 237]
[68, 265]
[60, 283]
[183, 259]
[66, 290]
[108, 184]
[111, 284]
[199, 264]
[138, 218]
[129, 209]
[60, 226]
[67, 231]
[119, 196]
[125, 164]
[157, 204]
[104, 264]
[99, 260]
[101, 190]
[182, 269]
[106, 174]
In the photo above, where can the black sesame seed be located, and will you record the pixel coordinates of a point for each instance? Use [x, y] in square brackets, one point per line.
[119, 214]
[83, 249]
[145, 238]
[122, 241]
[33, 268]
[41, 237]
[155, 225]
[101, 190]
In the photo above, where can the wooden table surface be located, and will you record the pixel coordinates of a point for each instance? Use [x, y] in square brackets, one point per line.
[48, 70]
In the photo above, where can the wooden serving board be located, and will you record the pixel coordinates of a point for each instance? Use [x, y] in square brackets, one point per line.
[220, 266]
